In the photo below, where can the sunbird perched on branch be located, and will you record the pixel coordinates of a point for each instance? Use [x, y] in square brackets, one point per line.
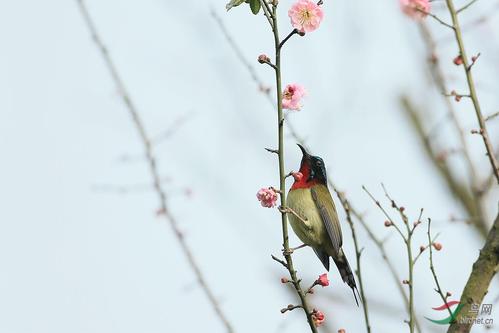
[314, 219]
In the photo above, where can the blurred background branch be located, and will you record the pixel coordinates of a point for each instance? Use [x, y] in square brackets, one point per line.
[151, 160]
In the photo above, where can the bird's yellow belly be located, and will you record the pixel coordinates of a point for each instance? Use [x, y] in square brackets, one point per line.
[311, 232]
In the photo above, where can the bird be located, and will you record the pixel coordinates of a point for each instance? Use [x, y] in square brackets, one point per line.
[314, 219]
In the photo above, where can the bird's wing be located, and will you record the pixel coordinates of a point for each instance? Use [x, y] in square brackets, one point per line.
[327, 210]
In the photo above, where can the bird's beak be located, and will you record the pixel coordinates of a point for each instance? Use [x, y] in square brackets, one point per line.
[304, 152]
[305, 162]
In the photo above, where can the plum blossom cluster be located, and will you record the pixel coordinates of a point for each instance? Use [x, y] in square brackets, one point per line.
[267, 197]
[416, 9]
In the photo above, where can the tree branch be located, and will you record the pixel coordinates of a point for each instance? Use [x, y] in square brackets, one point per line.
[282, 174]
[358, 252]
[484, 269]
[471, 85]
[468, 200]
[153, 167]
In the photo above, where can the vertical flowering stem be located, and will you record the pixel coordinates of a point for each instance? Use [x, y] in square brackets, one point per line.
[272, 14]
[472, 90]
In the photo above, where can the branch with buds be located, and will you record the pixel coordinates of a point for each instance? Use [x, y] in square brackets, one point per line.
[407, 238]
[287, 99]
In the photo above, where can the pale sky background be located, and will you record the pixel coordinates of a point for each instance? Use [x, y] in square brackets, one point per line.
[76, 257]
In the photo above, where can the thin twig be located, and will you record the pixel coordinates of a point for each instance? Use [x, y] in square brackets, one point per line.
[471, 85]
[293, 32]
[435, 17]
[466, 6]
[380, 244]
[408, 243]
[377, 203]
[153, 166]
[433, 272]
[492, 116]
[358, 253]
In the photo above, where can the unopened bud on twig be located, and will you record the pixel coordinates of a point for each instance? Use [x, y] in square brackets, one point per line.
[388, 223]
[437, 246]
[263, 59]
[458, 60]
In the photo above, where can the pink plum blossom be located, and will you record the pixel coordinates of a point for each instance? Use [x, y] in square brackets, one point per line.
[323, 280]
[267, 197]
[318, 317]
[297, 176]
[292, 95]
[305, 15]
[416, 9]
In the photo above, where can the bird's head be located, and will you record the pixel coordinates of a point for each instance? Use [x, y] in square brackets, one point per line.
[312, 169]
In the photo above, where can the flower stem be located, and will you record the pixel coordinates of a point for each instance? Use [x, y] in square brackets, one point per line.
[434, 273]
[282, 173]
[411, 283]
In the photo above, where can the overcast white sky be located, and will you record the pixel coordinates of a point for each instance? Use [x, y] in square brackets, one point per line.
[78, 258]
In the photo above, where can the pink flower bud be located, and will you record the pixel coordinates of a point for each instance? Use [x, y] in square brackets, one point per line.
[323, 280]
[263, 58]
[422, 248]
[388, 223]
[458, 60]
[437, 246]
[297, 176]
[284, 280]
[267, 197]
[402, 209]
[405, 281]
[342, 330]
[318, 317]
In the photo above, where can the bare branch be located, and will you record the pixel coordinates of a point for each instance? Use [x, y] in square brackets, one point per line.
[153, 166]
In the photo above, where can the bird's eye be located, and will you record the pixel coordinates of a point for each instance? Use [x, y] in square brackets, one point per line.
[318, 162]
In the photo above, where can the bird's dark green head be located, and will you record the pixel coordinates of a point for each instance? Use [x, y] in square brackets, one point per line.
[312, 168]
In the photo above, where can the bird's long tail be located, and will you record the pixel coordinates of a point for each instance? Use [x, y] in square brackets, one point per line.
[346, 273]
